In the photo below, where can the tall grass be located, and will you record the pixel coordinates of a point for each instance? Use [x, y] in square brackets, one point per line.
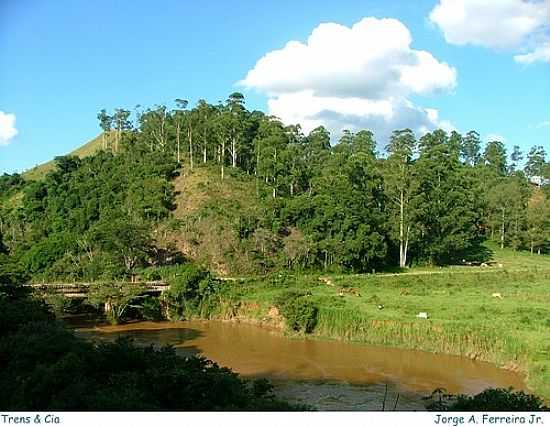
[464, 340]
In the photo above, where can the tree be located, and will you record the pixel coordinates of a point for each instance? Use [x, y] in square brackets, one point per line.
[400, 186]
[345, 142]
[155, 128]
[190, 120]
[495, 157]
[205, 114]
[235, 110]
[221, 131]
[471, 146]
[538, 222]
[114, 298]
[342, 212]
[121, 124]
[294, 169]
[507, 202]
[125, 238]
[516, 157]
[179, 115]
[105, 122]
[65, 165]
[448, 213]
[455, 144]
[363, 142]
[535, 162]
[316, 152]
[270, 145]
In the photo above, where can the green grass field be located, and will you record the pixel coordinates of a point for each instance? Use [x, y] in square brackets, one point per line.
[511, 329]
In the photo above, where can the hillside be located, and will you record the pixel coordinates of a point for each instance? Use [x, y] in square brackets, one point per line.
[227, 225]
[203, 203]
[39, 171]
[212, 217]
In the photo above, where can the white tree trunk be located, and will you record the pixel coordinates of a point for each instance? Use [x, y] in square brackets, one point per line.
[402, 254]
[502, 230]
[178, 140]
[233, 152]
[222, 156]
[190, 136]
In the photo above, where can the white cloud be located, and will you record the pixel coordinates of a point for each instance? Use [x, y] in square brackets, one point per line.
[381, 116]
[7, 128]
[521, 25]
[540, 53]
[351, 78]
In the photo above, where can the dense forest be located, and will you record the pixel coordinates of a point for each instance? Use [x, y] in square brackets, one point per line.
[345, 206]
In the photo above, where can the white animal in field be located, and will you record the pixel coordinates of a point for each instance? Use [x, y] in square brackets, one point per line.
[422, 315]
[497, 295]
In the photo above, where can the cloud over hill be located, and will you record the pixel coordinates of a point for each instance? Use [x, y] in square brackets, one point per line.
[353, 77]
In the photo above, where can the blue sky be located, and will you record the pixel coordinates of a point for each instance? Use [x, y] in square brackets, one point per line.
[62, 61]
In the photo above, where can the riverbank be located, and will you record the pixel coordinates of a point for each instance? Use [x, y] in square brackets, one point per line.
[326, 374]
[499, 316]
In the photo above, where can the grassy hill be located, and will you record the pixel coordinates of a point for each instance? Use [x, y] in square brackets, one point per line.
[91, 147]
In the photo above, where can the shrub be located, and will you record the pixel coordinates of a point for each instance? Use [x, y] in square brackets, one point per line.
[298, 310]
[492, 399]
[151, 308]
[192, 292]
[17, 309]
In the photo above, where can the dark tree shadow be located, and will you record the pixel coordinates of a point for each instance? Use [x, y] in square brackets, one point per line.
[476, 255]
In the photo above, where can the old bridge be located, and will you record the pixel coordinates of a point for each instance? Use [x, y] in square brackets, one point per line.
[80, 289]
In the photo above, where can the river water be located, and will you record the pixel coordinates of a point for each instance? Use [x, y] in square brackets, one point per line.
[326, 374]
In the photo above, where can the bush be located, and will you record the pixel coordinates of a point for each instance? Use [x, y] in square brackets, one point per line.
[17, 309]
[192, 293]
[12, 272]
[492, 399]
[151, 309]
[298, 310]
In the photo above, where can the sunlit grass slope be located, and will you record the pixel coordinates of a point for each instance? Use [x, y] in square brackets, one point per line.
[40, 171]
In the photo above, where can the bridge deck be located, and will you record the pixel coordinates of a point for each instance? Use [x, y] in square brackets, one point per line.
[77, 289]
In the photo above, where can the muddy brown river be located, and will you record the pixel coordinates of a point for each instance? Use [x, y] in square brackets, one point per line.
[326, 374]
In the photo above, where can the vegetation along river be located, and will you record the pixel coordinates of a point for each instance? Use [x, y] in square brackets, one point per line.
[328, 375]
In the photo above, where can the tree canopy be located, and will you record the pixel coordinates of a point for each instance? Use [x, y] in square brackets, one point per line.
[341, 206]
